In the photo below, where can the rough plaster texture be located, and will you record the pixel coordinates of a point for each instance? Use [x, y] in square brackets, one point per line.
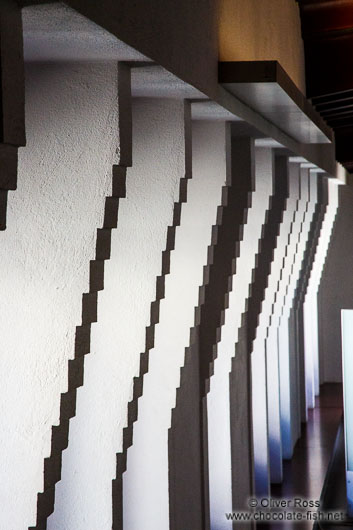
[64, 175]
[305, 368]
[250, 30]
[279, 336]
[259, 409]
[180, 36]
[286, 248]
[335, 294]
[288, 362]
[218, 404]
[266, 337]
[309, 323]
[84, 498]
[55, 32]
[145, 483]
[311, 302]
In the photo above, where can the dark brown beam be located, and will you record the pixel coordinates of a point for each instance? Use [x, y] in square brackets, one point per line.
[341, 121]
[332, 98]
[324, 108]
[329, 115]
[329, 66]
[323, 17]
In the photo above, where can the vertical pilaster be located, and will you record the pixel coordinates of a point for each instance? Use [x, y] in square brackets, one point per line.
[189, 420]
[259, 380]
[68, 400]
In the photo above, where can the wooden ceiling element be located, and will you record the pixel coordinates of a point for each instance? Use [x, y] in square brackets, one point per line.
[327, 30]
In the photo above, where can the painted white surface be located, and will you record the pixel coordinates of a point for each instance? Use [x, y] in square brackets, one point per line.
[311, 331]
[290, 413]
[308, 351]
[84, 495]
[259, 404]
[288, 365]
[64, 175]
[268, 322]
[280, 324]
[218, 399]
[145, 484]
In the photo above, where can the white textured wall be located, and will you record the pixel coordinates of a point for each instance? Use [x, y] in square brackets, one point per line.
[219, 450]
[286, 252]
[266, 337]
[64, 174]
[258, 393]
[84, 496]
[290, 413]
[145, 486]
[309, 355]
[311, 331]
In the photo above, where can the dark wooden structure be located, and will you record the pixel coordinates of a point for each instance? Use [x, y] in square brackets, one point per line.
[327, 30]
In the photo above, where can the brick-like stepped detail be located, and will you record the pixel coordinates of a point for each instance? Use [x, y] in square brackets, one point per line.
[117, 486]
[301, 234]
[240, 376]
[186, 463]
[12, 98]
[60, 433]
[307, 264]
[267, 247]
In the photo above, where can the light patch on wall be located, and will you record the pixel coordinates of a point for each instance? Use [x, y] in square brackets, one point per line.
[250, 30]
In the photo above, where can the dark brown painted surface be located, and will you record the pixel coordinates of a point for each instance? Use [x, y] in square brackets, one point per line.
[327, 30]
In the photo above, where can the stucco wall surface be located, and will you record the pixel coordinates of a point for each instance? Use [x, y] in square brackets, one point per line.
[219, 450]
[146, 480]
[64, 174]
[335, 294]
[311, 328]
[181, 36]
[84, 495]
[269, 318]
